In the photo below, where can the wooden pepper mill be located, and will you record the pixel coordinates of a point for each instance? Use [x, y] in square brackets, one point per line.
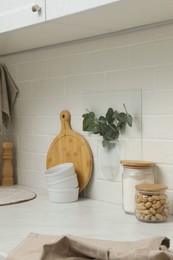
[7, 168]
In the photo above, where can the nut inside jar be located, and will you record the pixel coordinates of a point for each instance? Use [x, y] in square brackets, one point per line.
[151, 203]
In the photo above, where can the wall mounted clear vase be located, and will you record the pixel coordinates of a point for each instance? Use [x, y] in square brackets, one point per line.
[109, 160]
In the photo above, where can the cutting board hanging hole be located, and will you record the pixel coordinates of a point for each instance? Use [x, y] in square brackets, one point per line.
[65, 120]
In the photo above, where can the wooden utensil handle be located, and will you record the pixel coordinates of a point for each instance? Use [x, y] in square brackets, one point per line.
[65, 121]
[7, 168]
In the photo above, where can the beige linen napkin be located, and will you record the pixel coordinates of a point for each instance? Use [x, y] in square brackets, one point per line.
[8, 94]
[45, 247]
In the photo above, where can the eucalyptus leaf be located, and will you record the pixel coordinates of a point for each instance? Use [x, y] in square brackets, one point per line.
[122, 117]
[115, 115]
[109, 132]
[120, 126]
[109, 115]
[87, 122]
[129, 120]
[102, 119]
[94, 129]
[105, 142]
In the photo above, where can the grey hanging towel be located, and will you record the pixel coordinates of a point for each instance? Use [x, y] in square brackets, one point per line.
[8, 94]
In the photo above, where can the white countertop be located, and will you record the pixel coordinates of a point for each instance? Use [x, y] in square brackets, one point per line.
[85, 218]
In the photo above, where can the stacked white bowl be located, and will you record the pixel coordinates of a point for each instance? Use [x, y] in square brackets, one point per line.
[62, 183]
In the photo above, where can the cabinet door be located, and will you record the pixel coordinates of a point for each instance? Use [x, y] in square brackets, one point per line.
[18, 13]
[59, 8]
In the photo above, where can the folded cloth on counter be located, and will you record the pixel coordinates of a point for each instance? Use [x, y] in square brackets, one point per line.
[45, 247]
[8, 94]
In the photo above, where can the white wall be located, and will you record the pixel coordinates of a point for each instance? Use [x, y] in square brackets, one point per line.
[51, 79]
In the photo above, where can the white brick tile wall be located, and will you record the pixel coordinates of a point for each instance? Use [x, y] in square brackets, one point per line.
[32, 70]
[65, 66]
[158, 102]
[105, 190]
[133, 149]
[107, 60]
[76, 124]
[45, 125]
[164, 126]
[25, 160]
[131, 79]
[159, 151]
[149, 127]
[152, 54]
[100, 101]
[32, 178]
[74, 77]
[72, 103]
[164, 79]
[164, 173]
[78, 85]
[33, 107]
[21, 125]
[25, 89]
[48, 88]
[33, 143]
[40, 162]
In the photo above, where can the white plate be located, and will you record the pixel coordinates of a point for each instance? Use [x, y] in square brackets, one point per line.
[69, 182]
[59, 172]
[64, 195]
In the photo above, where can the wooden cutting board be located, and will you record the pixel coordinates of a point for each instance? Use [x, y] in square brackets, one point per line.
[70, 146]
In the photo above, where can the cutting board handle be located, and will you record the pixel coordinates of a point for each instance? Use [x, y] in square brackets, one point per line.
[65, 121]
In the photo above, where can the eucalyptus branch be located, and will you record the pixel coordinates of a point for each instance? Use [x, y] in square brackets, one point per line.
[125, 108]
[108, 126]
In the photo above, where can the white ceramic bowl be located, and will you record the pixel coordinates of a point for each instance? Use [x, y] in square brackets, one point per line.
[64, 195]
[69, 182]
[59, 172]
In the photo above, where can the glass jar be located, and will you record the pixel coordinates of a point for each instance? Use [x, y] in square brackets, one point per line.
[151, 202]
[135, 172]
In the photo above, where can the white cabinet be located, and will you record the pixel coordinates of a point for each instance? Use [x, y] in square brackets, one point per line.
[59, 8]
[16, 14]
[69, 20]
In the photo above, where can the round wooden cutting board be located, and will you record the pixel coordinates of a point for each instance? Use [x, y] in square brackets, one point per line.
[70, 146]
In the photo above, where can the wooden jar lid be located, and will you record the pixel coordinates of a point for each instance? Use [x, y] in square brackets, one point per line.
[151, 187]
[136, 164]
